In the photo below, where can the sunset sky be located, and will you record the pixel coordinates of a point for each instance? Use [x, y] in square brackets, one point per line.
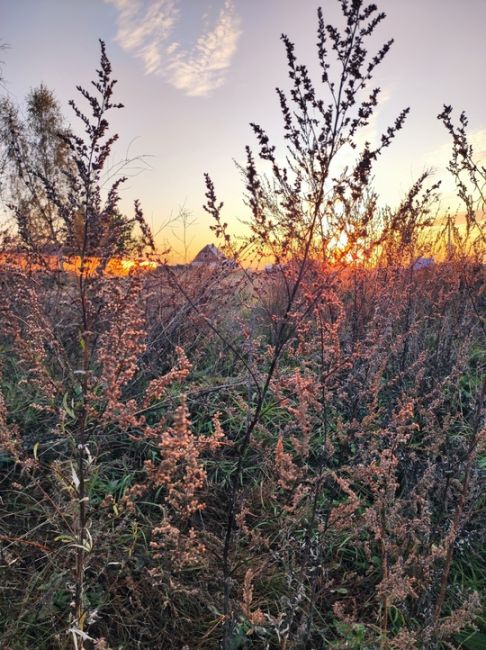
[193, 73]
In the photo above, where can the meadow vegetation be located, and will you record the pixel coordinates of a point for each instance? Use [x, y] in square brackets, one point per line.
[223, 456]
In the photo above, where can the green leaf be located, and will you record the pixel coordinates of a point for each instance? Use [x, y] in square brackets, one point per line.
[474, 641]
[68, 408]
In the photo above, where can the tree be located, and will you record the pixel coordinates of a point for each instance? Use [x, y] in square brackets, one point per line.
[33, 152]
[3, 46]
[41, 179]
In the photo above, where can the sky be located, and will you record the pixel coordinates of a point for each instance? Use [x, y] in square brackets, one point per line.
[193, 74]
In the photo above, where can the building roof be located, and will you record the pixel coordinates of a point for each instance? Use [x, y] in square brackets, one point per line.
[209, 255]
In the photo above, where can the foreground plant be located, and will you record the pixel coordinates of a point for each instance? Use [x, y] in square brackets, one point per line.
[312, 220]
[82, 346]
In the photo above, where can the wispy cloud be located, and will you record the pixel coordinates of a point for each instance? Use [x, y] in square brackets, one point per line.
[146, 29]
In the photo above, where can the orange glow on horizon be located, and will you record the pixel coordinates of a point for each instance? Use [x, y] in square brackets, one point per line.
[117, 267]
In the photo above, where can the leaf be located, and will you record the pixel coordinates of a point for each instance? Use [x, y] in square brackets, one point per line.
[67, 539]
[474, 641]
[68, 408]
[75, 478]
[88, 542]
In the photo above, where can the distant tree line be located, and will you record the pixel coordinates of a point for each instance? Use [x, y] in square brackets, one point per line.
[41, 180]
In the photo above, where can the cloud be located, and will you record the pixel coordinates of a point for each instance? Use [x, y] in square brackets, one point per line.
[147, 31]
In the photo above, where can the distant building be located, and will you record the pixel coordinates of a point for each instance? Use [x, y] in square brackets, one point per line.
[209, 255]
[422, 263]
[273, 268]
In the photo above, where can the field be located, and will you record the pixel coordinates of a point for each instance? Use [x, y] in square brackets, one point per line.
[281, 447]
[356, 496]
